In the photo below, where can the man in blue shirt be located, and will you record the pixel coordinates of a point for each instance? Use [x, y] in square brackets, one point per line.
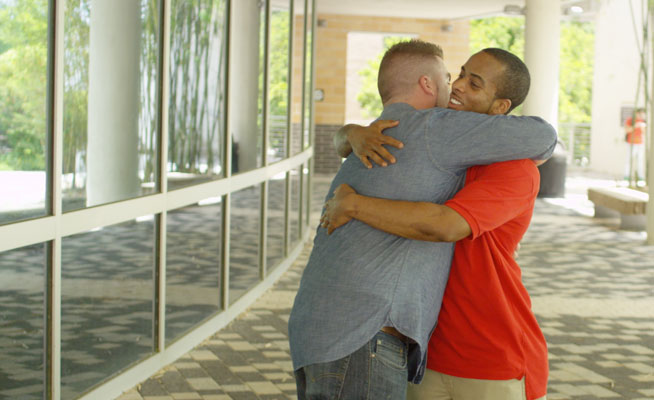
[368, 301]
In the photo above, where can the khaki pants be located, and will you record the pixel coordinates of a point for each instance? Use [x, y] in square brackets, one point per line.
[437, 386]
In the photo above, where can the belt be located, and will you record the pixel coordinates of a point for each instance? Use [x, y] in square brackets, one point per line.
[394, 332]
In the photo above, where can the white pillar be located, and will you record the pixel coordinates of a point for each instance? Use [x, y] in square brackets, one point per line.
[542, 48]
[244, 82]
[114, 55]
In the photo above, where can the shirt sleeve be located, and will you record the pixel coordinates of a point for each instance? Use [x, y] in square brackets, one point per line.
[460, 139]
[496, 194]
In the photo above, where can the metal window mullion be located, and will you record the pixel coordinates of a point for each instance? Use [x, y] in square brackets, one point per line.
[227, 167]
[307, 202]
[162, 220]
[266, 84]
[224, 281]
[263, 230]
[287, 215]
[301, 201]
[304, 80]
[314, 19]
[289, 78]
[54, 284]
[266, 140]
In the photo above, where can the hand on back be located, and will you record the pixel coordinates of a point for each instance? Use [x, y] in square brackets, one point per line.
[368, 143]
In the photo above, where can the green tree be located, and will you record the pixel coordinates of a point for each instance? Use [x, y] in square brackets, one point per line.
[23, 58]
[195, 115]
[507, 33]
[368, 96]
[576, 60]
[576, 72]
[279, 61]
[76, 84]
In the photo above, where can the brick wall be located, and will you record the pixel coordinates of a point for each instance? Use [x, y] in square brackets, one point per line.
[326, 161]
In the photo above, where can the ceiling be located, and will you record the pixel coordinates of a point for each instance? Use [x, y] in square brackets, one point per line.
[432, 9]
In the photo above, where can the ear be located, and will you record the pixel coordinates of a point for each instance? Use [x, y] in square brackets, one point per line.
[500, 106]
[427, 85]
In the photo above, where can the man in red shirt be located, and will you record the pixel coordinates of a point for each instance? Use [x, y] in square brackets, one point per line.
[487, 343]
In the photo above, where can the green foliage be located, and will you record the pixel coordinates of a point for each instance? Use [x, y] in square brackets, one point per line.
[195, 115]
[507, 33]
[76, 81]
[576, 76]
[279, 62]
[23, 41]
[368, 96]
[576, 61]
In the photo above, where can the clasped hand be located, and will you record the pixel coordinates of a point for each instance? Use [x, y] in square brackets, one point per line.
[335, 212]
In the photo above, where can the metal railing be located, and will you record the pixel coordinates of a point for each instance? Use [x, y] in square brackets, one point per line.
[576, 140]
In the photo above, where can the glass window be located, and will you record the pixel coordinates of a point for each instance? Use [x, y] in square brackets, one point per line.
[23, 92]
[297, 77]
[244, 241]
[276, 225]
[278, 92]
[246, 100]
[193, 265]
[22, 299]
[110, 101]
[196, 119]
[308, 77]
[106, 302]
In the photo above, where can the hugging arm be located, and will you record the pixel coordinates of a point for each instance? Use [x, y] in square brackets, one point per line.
[411, 220]
[367, 143]
[464, 139]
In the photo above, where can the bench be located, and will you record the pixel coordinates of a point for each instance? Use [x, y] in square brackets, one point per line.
[629, 204]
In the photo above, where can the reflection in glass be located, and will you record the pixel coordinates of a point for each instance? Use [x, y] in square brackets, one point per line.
[22, 299]
[23, 84]
[297, 77]
[106, 302]
[193, 265]
[308, 72]
[196, 119]
[110, 124]
[246, 104]
[278, 89]
[244, 241]
[276, 226]
[294, 209]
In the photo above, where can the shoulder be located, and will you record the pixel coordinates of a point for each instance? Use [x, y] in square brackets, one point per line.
[509, 169]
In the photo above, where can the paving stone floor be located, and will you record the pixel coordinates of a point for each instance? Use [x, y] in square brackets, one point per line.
[592, 287]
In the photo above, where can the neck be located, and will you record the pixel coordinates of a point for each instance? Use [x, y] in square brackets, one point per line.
[413, 101]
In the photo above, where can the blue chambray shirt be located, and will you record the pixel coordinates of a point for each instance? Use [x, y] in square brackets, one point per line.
[360, 279]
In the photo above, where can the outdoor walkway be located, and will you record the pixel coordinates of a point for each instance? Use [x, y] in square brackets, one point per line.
[592, 288]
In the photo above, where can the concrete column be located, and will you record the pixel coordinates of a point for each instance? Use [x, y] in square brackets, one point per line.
[114, 54]
[542, 48]
[244, 84]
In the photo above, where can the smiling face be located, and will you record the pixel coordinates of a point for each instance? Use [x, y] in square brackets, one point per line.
[476, 87]
[441, 79]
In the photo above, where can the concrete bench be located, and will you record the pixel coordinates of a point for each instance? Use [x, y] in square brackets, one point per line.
[629, 204]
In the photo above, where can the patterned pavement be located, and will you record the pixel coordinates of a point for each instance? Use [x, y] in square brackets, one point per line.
[592, 287]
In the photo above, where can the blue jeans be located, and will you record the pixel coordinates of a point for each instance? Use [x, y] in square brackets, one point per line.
[378, 370]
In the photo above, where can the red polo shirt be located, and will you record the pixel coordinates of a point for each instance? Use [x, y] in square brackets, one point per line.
[486, 329]
[636, 136]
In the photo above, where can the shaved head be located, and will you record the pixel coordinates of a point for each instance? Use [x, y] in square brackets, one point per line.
[403, 65]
